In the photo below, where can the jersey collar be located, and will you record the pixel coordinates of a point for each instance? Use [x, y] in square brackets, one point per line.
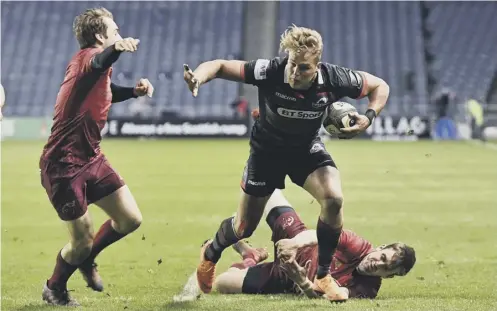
[320, 78]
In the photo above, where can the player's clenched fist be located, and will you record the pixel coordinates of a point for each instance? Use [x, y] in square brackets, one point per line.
[127, 45]
[191, 80]
[144, 87]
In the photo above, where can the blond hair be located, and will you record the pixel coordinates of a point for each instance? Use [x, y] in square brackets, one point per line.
[88, 24]
[297, 39]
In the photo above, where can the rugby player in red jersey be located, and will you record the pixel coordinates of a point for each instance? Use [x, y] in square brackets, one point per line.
[74, 171]
[294, 92]
[357, 266]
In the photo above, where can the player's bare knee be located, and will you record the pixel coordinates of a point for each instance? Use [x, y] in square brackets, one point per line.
[221, 284]
[136, 221]
[130, 223]
[228, 282]
[332, 204]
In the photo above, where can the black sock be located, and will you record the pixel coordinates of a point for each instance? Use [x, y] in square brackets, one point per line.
[225, 237]
[327, 243]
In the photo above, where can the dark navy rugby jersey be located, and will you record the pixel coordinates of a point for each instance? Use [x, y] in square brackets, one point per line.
[292, 118]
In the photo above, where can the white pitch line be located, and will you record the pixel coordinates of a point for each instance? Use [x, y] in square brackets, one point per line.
[488, 145]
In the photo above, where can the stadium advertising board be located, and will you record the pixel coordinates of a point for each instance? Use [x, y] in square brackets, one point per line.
[176, 128]
[399, 128]
[25, 128]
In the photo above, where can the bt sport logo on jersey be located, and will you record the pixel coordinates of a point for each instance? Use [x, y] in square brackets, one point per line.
[299, 114]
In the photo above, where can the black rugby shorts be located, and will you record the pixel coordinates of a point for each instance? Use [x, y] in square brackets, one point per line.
[266, 171]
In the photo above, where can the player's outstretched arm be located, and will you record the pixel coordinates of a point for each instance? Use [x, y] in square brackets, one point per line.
[103, 60]
[121, 93]
[223, 69]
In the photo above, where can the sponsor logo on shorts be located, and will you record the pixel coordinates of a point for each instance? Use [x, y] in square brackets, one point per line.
[299, 114]
[323, 101]
[256, 183]
[68, 208]
[293, 99]
[316, 148]
[287, 222]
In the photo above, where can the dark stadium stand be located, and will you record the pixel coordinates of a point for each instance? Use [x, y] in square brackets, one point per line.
[378, 37]
[37, 42]
[465, 41]
[383, 38]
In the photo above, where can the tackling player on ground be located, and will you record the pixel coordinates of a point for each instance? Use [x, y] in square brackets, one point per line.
[74, 172]
[294, 92]
[357, 266]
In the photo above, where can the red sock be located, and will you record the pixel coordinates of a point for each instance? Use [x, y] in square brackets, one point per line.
[61, 274]
[106, 235]
[246, 263]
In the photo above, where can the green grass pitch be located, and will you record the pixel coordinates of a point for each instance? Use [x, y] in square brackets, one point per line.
[438, 197]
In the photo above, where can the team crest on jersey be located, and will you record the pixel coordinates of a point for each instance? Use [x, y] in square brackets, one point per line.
[320, 103]
[68, 208]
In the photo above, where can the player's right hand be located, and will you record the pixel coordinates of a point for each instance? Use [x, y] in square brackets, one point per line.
[361, 125]
[127, 45]
[191, 80]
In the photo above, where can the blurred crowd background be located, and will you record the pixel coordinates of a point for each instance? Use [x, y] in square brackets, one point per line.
[438, 57]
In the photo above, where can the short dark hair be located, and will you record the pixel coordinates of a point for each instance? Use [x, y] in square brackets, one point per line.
[406, 256]
[89, 23]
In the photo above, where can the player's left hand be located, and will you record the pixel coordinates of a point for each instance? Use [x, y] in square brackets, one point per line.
[361, 124]
[286, 250]
[144, 87]
[294, 271]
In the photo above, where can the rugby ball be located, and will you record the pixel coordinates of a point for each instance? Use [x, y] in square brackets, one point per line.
[336, 117]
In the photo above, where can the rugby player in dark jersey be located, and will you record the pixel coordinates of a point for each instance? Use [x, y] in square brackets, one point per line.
[74, 171]
[357, 266]
[294, 92]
